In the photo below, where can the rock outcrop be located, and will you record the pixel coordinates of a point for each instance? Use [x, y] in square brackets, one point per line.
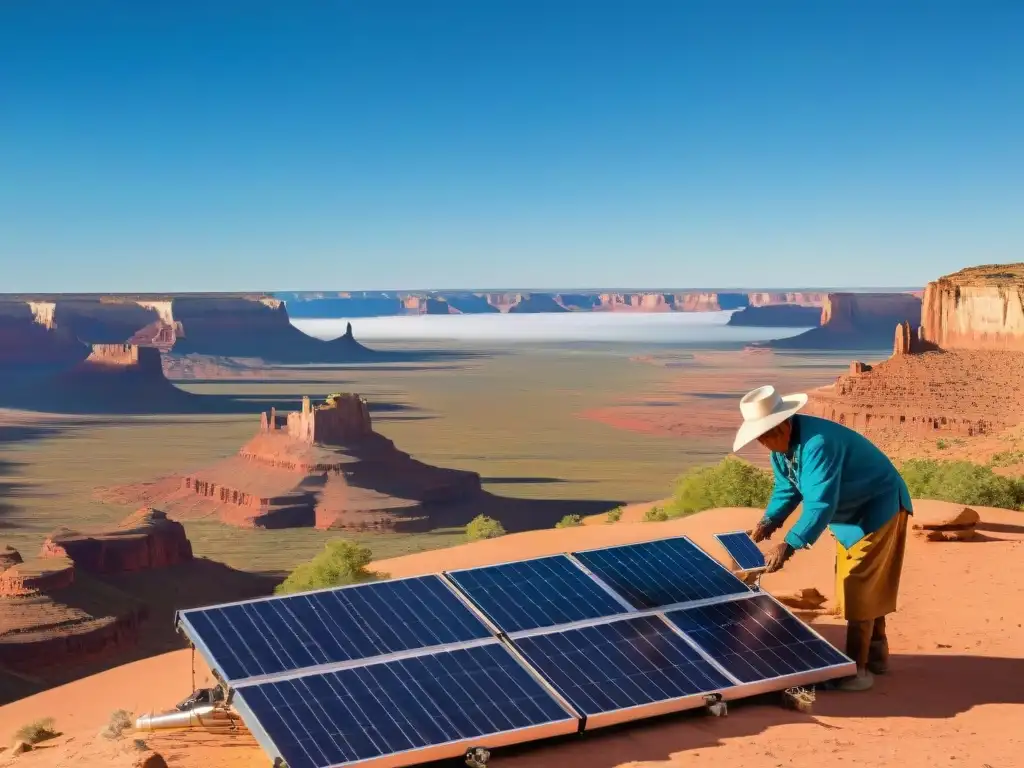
[30, 338]
[777, 316]
[146, 539]
[323, 466]
[976, 308]
[856, 321]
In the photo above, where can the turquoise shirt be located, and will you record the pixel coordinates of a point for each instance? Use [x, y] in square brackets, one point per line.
[844, 481]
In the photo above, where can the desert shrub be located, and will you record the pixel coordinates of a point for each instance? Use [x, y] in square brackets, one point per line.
[614, 515]
[341, 562]
[1006, 458]
[37, 731]
[120, 721]
[731, 482]
[962, 482]
[941, 444]
[569, 521]
[483, 527]
[656, 515]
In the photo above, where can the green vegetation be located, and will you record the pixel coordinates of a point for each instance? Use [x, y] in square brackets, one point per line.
[656, 514]
[941, 445]
[483, 527]
[569, 521]
[962, 482]
[614, 515]
[37, 731]
[731, 482]
[341, 562]
[1006, 458]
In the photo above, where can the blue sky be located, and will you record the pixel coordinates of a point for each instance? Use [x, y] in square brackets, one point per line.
[386, 144]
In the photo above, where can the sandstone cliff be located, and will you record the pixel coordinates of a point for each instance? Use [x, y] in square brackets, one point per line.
[777, 316]
[976, 308]
[29, 337]
[856, 321]
[146, 539]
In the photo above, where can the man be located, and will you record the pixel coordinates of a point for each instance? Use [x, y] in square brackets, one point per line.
[849, 486]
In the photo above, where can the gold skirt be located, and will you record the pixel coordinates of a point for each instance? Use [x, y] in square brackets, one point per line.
[868, 573]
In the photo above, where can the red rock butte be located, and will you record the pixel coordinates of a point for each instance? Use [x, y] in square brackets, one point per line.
[322, 466]
[854, 321]
[959, 371]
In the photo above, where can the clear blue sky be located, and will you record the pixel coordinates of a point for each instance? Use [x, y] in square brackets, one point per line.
[252, 145]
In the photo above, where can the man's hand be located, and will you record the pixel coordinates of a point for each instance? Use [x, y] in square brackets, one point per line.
[775, 559]
[763, 531]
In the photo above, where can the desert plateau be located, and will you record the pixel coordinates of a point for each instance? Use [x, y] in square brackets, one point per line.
[511, 385]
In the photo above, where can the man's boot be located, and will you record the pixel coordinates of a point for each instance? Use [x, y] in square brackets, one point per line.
[858, 646]
[878, 654]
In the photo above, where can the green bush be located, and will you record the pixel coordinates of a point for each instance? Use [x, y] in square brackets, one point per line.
[569, 521]
[342, 562]
[483, 527]
[656, 515]
[962, 482]
[731, 482]
[614, 515]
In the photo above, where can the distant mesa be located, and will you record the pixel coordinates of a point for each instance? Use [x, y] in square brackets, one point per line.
[777, 316]
[855, 321]
[322, 466]
[958, 371]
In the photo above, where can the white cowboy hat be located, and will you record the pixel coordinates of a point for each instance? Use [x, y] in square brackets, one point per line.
[763, 409]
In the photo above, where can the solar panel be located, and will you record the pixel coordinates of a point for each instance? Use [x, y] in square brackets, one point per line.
[274, 635]
[536, 593]
[622, 670]
[661, 573]
[756, 639]
[742, 549]
[402, 712]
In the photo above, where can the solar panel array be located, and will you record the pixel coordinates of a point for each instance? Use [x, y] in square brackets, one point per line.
[406, 671]
[742, 550]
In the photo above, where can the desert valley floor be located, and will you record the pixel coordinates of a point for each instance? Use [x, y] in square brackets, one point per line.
[588, 426]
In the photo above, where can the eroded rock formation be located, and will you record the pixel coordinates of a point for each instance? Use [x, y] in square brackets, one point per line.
[856, 321]
[976, 308]
[777, 316]
[145, 539]
[29, 337]
[323, 466]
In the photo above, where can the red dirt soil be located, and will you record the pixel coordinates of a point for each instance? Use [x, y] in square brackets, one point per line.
[950, 698]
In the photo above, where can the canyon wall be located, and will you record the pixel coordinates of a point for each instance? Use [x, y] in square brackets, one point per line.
[976, 308]
[777, 316]
[29, 337]
[856, 321]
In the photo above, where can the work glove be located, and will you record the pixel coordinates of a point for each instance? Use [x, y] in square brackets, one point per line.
[763, 530]
[778, 555]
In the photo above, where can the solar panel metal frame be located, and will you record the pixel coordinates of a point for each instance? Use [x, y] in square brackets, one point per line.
[743, 690]
[719, 539]
[184, 625]
[673, 606]
[571, 724]
[640, 711]
[627, 609]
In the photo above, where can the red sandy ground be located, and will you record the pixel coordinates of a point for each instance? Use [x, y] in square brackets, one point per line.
[954, 695]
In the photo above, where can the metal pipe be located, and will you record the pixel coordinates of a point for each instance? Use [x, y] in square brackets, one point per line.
[205, 716]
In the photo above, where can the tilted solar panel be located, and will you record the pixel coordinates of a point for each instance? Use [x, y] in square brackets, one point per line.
[273, 635]
[622, 670]
[402, 712]
[661, 573]
[742, 549]
[542, 592]
[756, 639]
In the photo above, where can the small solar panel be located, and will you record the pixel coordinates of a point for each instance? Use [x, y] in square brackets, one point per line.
[542, 592]
[742, 549]
[631, 663]
[661, 573]
[756, 639]
[270, 636]
[402, 712]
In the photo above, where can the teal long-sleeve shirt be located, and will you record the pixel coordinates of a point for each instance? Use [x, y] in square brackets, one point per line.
[843, 480]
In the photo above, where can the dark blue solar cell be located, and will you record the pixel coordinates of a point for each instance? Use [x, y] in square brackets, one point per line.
[742, 549]
[542, 592]
[756, 639]
[370, 711]
[661, 573]
[262, 637]
[621, 664]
